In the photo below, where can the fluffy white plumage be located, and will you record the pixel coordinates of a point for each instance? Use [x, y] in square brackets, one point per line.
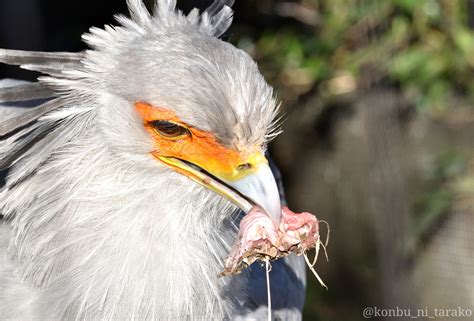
[97, 228]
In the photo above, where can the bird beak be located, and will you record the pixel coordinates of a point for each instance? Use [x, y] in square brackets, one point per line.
[258, 188]
[261, 189]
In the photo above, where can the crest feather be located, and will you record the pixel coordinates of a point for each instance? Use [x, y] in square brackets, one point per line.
[219, 15]
[163, 8]
[138, 12]
[215, 20]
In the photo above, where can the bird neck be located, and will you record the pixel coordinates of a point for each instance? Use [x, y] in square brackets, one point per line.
[108, 239]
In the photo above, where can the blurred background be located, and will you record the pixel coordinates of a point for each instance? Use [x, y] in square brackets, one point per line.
[378, 97]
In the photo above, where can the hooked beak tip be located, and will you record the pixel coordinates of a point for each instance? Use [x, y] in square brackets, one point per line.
[261, 188]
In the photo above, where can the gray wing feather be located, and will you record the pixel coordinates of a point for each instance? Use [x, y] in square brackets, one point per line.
[25, 92]
[52, 63]
[52, 69]
[20, 57]
[14, 123]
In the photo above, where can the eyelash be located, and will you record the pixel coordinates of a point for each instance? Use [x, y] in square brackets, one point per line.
[169, 130]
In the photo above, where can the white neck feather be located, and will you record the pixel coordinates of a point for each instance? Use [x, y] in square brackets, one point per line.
[103, 237]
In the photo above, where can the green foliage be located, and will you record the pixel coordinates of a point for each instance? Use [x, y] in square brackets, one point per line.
[422, 46]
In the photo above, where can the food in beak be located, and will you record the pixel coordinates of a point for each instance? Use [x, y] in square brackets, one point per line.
[267, 232]
[259, 239]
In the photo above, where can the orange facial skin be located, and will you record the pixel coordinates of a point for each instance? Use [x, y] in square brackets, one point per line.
[199, 147]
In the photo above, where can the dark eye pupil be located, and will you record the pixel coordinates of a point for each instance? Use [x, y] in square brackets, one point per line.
[168, 129]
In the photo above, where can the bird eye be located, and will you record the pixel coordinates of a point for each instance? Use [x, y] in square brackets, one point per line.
[169, 129]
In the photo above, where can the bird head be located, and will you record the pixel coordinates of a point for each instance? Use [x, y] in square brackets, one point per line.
[170, 88]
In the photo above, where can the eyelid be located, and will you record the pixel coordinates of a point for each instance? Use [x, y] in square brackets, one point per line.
[154, 125]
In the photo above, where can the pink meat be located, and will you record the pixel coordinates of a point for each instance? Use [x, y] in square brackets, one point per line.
[260, 239]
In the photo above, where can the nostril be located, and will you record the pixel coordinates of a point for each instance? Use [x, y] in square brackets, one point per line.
[243, 167]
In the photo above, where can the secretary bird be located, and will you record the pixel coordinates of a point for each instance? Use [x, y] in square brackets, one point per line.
[127, 172]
